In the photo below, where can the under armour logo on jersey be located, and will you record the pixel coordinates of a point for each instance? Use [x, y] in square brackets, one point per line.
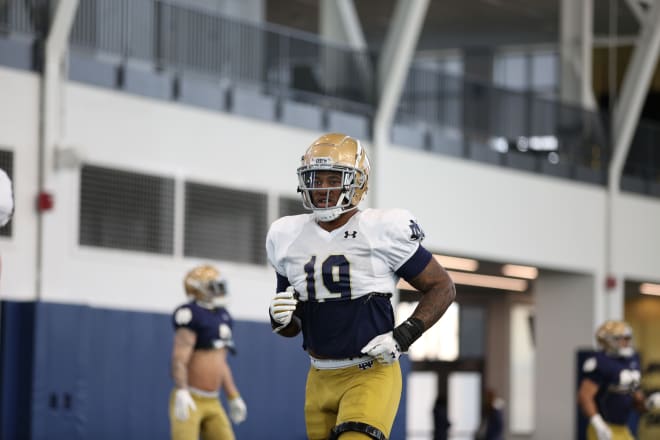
[351, 234]
[365, 365]
[416, 232]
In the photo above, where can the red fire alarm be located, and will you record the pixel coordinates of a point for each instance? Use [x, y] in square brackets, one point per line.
[610, 282]
[44, 201]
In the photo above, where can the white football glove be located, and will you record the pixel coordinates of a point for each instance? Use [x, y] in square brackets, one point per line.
[603, 432]
[183, 403]
[653, 401]
[282, 307]
[384, 348]
[237, 410]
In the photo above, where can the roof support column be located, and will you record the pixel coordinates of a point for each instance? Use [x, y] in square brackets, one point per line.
[393, 67]
[51, 107]
[626, 117]
[576, 48]
[339, 22]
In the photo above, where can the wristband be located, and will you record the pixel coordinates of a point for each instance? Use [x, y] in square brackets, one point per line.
[408, 332]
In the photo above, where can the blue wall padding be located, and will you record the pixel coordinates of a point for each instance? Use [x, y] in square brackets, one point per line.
[114, 365]
[59, 392]
[16, 323]
[105, 374]
[130, 368]
[270, 371]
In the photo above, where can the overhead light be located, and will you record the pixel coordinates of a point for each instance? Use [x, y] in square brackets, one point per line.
[457, 263]
[649, 289]
[491, 281]
[478, 280]
[527, 272]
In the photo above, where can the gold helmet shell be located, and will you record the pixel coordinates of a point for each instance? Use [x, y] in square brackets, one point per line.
[609, 335]
[206, 285]
[341, 153]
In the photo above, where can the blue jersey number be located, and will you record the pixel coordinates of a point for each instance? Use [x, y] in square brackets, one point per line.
[335, 272]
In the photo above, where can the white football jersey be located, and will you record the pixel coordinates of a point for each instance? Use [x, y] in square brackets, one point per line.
[354, 260]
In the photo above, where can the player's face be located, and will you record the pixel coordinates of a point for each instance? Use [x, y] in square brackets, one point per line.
[331, 182]
[623, 340]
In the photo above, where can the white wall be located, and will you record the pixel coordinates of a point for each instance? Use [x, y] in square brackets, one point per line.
[129, 132]
[637, 237]
[486, 211]
[563, 323]
[465, 207]
[19, 132]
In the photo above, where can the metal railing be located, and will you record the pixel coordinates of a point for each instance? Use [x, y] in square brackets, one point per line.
[185, 40]
[26, 17]
[506, 120]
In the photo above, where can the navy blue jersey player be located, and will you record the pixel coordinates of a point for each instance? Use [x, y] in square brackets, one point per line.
[609, 390]
[337, 268]
[203, 336]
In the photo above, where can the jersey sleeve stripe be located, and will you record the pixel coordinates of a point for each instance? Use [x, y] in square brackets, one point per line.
[415, 264]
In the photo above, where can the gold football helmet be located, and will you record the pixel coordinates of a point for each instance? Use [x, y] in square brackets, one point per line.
[206, 286]
[610, 335]
[343, 154]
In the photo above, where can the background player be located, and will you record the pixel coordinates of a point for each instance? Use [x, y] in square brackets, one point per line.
[336, 271]
[609, 390]
[199, 361]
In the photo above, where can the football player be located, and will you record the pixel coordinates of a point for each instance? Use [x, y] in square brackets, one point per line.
[203, 335]
[336, 269]
[610, 388]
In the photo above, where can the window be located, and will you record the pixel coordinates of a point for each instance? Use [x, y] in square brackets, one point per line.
[533, 69]
[440, 342]
[225, 224]
[510, 71]
[126, 210]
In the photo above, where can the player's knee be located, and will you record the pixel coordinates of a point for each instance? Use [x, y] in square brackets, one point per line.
[356, 431]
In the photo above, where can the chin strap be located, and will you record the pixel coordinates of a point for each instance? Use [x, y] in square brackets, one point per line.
[206, 304]
[210, 305]
[626, 351]
[327, 215]
[330, 214]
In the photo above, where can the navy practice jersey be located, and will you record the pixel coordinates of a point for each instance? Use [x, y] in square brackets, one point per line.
[617, 378]
[344, 278]
[212, 327]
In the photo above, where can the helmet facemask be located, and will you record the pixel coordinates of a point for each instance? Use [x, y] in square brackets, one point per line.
[210, 294]
[351, 180]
